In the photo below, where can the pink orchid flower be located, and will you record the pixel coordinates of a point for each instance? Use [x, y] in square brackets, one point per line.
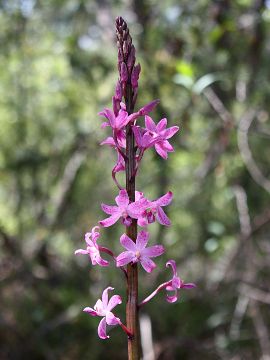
[176, 283]
[154, 211]
[116, 122]
[124, 209]
[137, 252]
[103, 308]
[160, 134]
[92, 248]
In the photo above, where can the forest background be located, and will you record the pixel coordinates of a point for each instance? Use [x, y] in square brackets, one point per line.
[208, 62]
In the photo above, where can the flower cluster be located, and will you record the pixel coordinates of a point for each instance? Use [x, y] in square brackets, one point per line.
[142, 210]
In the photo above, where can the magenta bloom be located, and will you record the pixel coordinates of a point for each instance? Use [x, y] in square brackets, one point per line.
[116, 122]
[137, 252]
[176, 283]
[154, 211]
[103, 308]
[124, 209]
[160, 134]
[92, 248]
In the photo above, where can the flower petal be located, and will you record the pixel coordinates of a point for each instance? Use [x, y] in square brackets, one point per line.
[161, 151]
[127, 243]
[90, 311]
[166, 146]
[172, 263]
[172, 298]
[142, 239]
[108, 141]
[101, 262]
[111, 319]
[122, 200]
[168, 133]
[162, 217]
[188, 286]
[165, 199]
[109, 209]
[125, 258]
[102, 329]
[105, 296]
[150, 124]
[81, 252]
[110, 220]
[147, 264]
[161, 125]
[153, 251]
[114, 301]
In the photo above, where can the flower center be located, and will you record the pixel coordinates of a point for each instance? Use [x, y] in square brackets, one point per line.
[137, 254]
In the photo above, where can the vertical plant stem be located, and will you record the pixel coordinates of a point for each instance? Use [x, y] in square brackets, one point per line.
[131, 231]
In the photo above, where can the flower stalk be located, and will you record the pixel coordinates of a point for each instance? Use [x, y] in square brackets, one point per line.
[132, 208]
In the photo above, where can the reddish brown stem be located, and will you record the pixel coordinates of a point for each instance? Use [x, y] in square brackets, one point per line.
[131, 231]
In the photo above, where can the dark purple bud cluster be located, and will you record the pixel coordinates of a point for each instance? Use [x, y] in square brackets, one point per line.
[128, 72]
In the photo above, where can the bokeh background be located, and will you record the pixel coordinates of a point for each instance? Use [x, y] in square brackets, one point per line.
[208, 62]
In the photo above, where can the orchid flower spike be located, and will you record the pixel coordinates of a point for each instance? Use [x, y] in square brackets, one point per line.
[103, 308]
[137, 252]
[92, 248]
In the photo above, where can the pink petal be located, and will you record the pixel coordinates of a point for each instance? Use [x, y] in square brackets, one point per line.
[172, 298]
[102, 329]
[110, 220]
[108, 113]
[111, 319]
[148, 107]
[161, 125]
[161, 151]
[101, 261]
[108, 141]
[166, 146]
[142, 240]
[105, 296]
[150, 124]
[122, 200]
[90, 311]
[127, 243]
[108, 209]
[125, 258]
[136, 209]
[188, 286]
[153, 251]
[142, 221]
[172, 263]
[147, 264]
[162, 218]
[165, 199]
[114, 301]
[81, 252]
[168, 133]
[104, 124]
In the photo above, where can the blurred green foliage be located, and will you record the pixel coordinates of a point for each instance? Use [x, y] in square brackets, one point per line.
[208, 62]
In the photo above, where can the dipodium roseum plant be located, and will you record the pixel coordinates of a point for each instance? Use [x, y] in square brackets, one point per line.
[130, 139]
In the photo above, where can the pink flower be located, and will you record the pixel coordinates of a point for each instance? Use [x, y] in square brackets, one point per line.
[116, 122]
[103, 308]
[154, 211]
[124, 209]
[137, 252]
[92, 248]
[176, 283]
[144, 140]
[160, 134]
